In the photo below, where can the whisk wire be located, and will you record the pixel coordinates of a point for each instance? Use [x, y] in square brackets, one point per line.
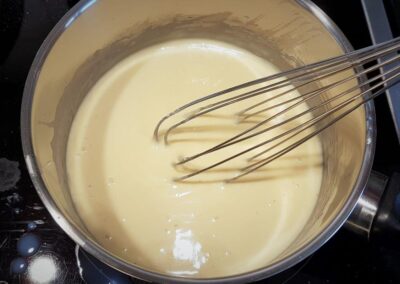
[277, 155]
[288, 82]
[233, 140]
[299, 129]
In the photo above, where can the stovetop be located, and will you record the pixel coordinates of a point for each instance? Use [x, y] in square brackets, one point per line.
[33, 249]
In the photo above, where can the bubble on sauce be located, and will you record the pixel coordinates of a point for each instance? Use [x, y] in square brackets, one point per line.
[108, 237]
[123, 220]
[163, 251]
[110, 181]
[125, 250]
[182, 194]
[214, 219]
[227, 253]
[168, 232]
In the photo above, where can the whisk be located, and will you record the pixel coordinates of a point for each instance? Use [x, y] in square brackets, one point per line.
[380, 68]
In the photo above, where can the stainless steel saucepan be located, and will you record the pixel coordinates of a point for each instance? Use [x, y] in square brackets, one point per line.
[96, 34]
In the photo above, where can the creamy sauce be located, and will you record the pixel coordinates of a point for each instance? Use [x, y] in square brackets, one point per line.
[121, 180]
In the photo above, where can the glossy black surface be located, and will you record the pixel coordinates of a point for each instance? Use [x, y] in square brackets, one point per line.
[33, 247]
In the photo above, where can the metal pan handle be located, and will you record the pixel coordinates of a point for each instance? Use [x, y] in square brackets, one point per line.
[385, 228]
[377, 213]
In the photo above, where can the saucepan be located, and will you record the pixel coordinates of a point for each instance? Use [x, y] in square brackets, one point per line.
[96, 34]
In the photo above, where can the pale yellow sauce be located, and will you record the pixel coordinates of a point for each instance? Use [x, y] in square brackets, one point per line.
[121, 180]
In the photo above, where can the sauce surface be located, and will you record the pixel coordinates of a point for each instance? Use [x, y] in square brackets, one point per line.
[121, 181]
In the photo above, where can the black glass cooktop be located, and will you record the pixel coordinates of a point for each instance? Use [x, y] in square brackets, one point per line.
[33, 249]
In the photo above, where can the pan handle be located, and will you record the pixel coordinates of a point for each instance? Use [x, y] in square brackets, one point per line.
[385, 228]
[377, 213]
[363, 215]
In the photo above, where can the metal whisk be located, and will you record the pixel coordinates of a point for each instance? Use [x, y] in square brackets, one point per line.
[306, 80]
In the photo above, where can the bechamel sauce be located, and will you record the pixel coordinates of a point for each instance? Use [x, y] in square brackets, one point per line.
[121, 180]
